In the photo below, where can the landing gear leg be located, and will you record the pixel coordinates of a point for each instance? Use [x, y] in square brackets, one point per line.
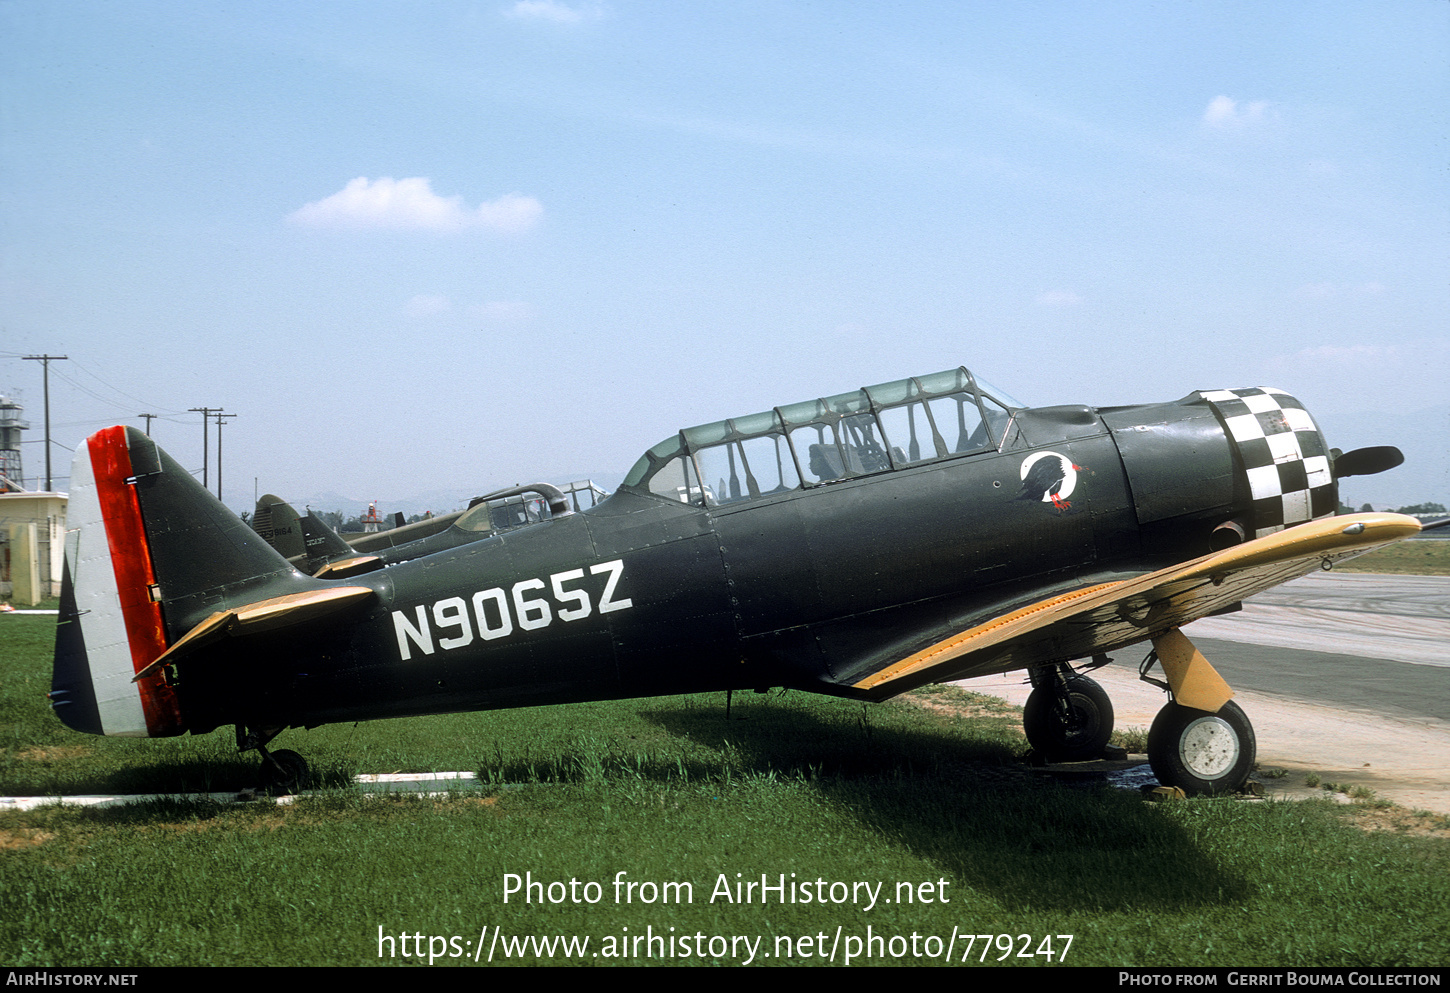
[282, 771]
[1201, 741]
[1068, 717]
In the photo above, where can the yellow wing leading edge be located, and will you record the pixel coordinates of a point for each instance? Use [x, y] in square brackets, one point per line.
[1108, 616]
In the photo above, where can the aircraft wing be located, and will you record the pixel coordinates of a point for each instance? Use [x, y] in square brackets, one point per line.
[1109, 616]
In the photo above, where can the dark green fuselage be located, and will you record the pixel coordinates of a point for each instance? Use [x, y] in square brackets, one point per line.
[812, 587]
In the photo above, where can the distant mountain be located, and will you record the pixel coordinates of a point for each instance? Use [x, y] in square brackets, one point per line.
[438, 501]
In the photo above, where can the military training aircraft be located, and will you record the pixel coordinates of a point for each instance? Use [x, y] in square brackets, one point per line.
[312, 546]
[859, 545]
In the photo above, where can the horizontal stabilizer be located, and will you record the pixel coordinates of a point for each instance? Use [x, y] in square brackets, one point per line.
[264, 615]
[344, 568]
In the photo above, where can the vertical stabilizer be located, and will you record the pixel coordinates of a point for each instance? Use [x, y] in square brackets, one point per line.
[110, 623]
[149, 552]
[279, 526]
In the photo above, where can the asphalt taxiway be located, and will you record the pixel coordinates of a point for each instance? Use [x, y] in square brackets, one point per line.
[1345, 676]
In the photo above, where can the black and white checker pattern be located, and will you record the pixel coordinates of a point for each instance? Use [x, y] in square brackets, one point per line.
[1290, 478]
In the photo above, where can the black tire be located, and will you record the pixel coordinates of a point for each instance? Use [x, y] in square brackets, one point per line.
[286, 772]
[1062, 738]
[1202, 754]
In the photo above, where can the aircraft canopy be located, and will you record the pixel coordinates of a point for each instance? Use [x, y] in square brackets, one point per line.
[874, 429]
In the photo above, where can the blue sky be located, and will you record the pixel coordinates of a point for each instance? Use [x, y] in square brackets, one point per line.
[418, 246]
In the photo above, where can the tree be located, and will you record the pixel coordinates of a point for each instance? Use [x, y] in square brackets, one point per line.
[1423, 508]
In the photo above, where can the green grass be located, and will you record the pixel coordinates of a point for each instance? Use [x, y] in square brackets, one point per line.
[924, 790]
[1423, 557]
[1133, 739]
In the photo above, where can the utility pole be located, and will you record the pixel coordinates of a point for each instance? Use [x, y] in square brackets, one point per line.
[45, 361]
[205, 412]
[219, 453]
[149, 418]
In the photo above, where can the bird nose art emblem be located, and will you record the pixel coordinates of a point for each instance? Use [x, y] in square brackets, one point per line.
[1048, 477]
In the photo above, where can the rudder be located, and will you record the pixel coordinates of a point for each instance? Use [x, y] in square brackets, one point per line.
[149, 552]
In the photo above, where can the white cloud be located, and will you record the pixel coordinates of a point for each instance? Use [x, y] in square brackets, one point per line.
[411, 204]
[1224, 112]
[558, 13]
[1058, 298]
[510, 213]
[426, 305]
[502, 311]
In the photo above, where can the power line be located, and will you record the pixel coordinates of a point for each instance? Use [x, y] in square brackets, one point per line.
[205, 412]
[45, 361]
[117, 389]
[219, 453]
[88, 391]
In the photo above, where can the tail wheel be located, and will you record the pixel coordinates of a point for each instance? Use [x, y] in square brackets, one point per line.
[1199, 752]
[1072, 726]
[283, 772]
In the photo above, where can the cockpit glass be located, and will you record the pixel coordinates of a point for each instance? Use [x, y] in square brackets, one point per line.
[476, 518]
[826, 410]
[951, 381]
[935, 428]
[675, 480]
[1001, 396]
[746, 469]
[870, 430]
[997, 417]
[655, 456]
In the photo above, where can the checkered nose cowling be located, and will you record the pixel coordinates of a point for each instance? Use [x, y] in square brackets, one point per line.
[1283, 456]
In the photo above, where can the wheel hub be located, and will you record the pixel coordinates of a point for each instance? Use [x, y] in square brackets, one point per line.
[1209, 747]
[1078, 723]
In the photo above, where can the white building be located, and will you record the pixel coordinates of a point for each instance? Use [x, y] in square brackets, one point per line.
[32, 545]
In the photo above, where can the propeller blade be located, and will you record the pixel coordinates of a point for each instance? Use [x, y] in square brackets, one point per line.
[1367, 461]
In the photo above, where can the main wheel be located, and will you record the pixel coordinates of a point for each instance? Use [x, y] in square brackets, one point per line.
[1199, 752]
[1073, 733]
[284, 771]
